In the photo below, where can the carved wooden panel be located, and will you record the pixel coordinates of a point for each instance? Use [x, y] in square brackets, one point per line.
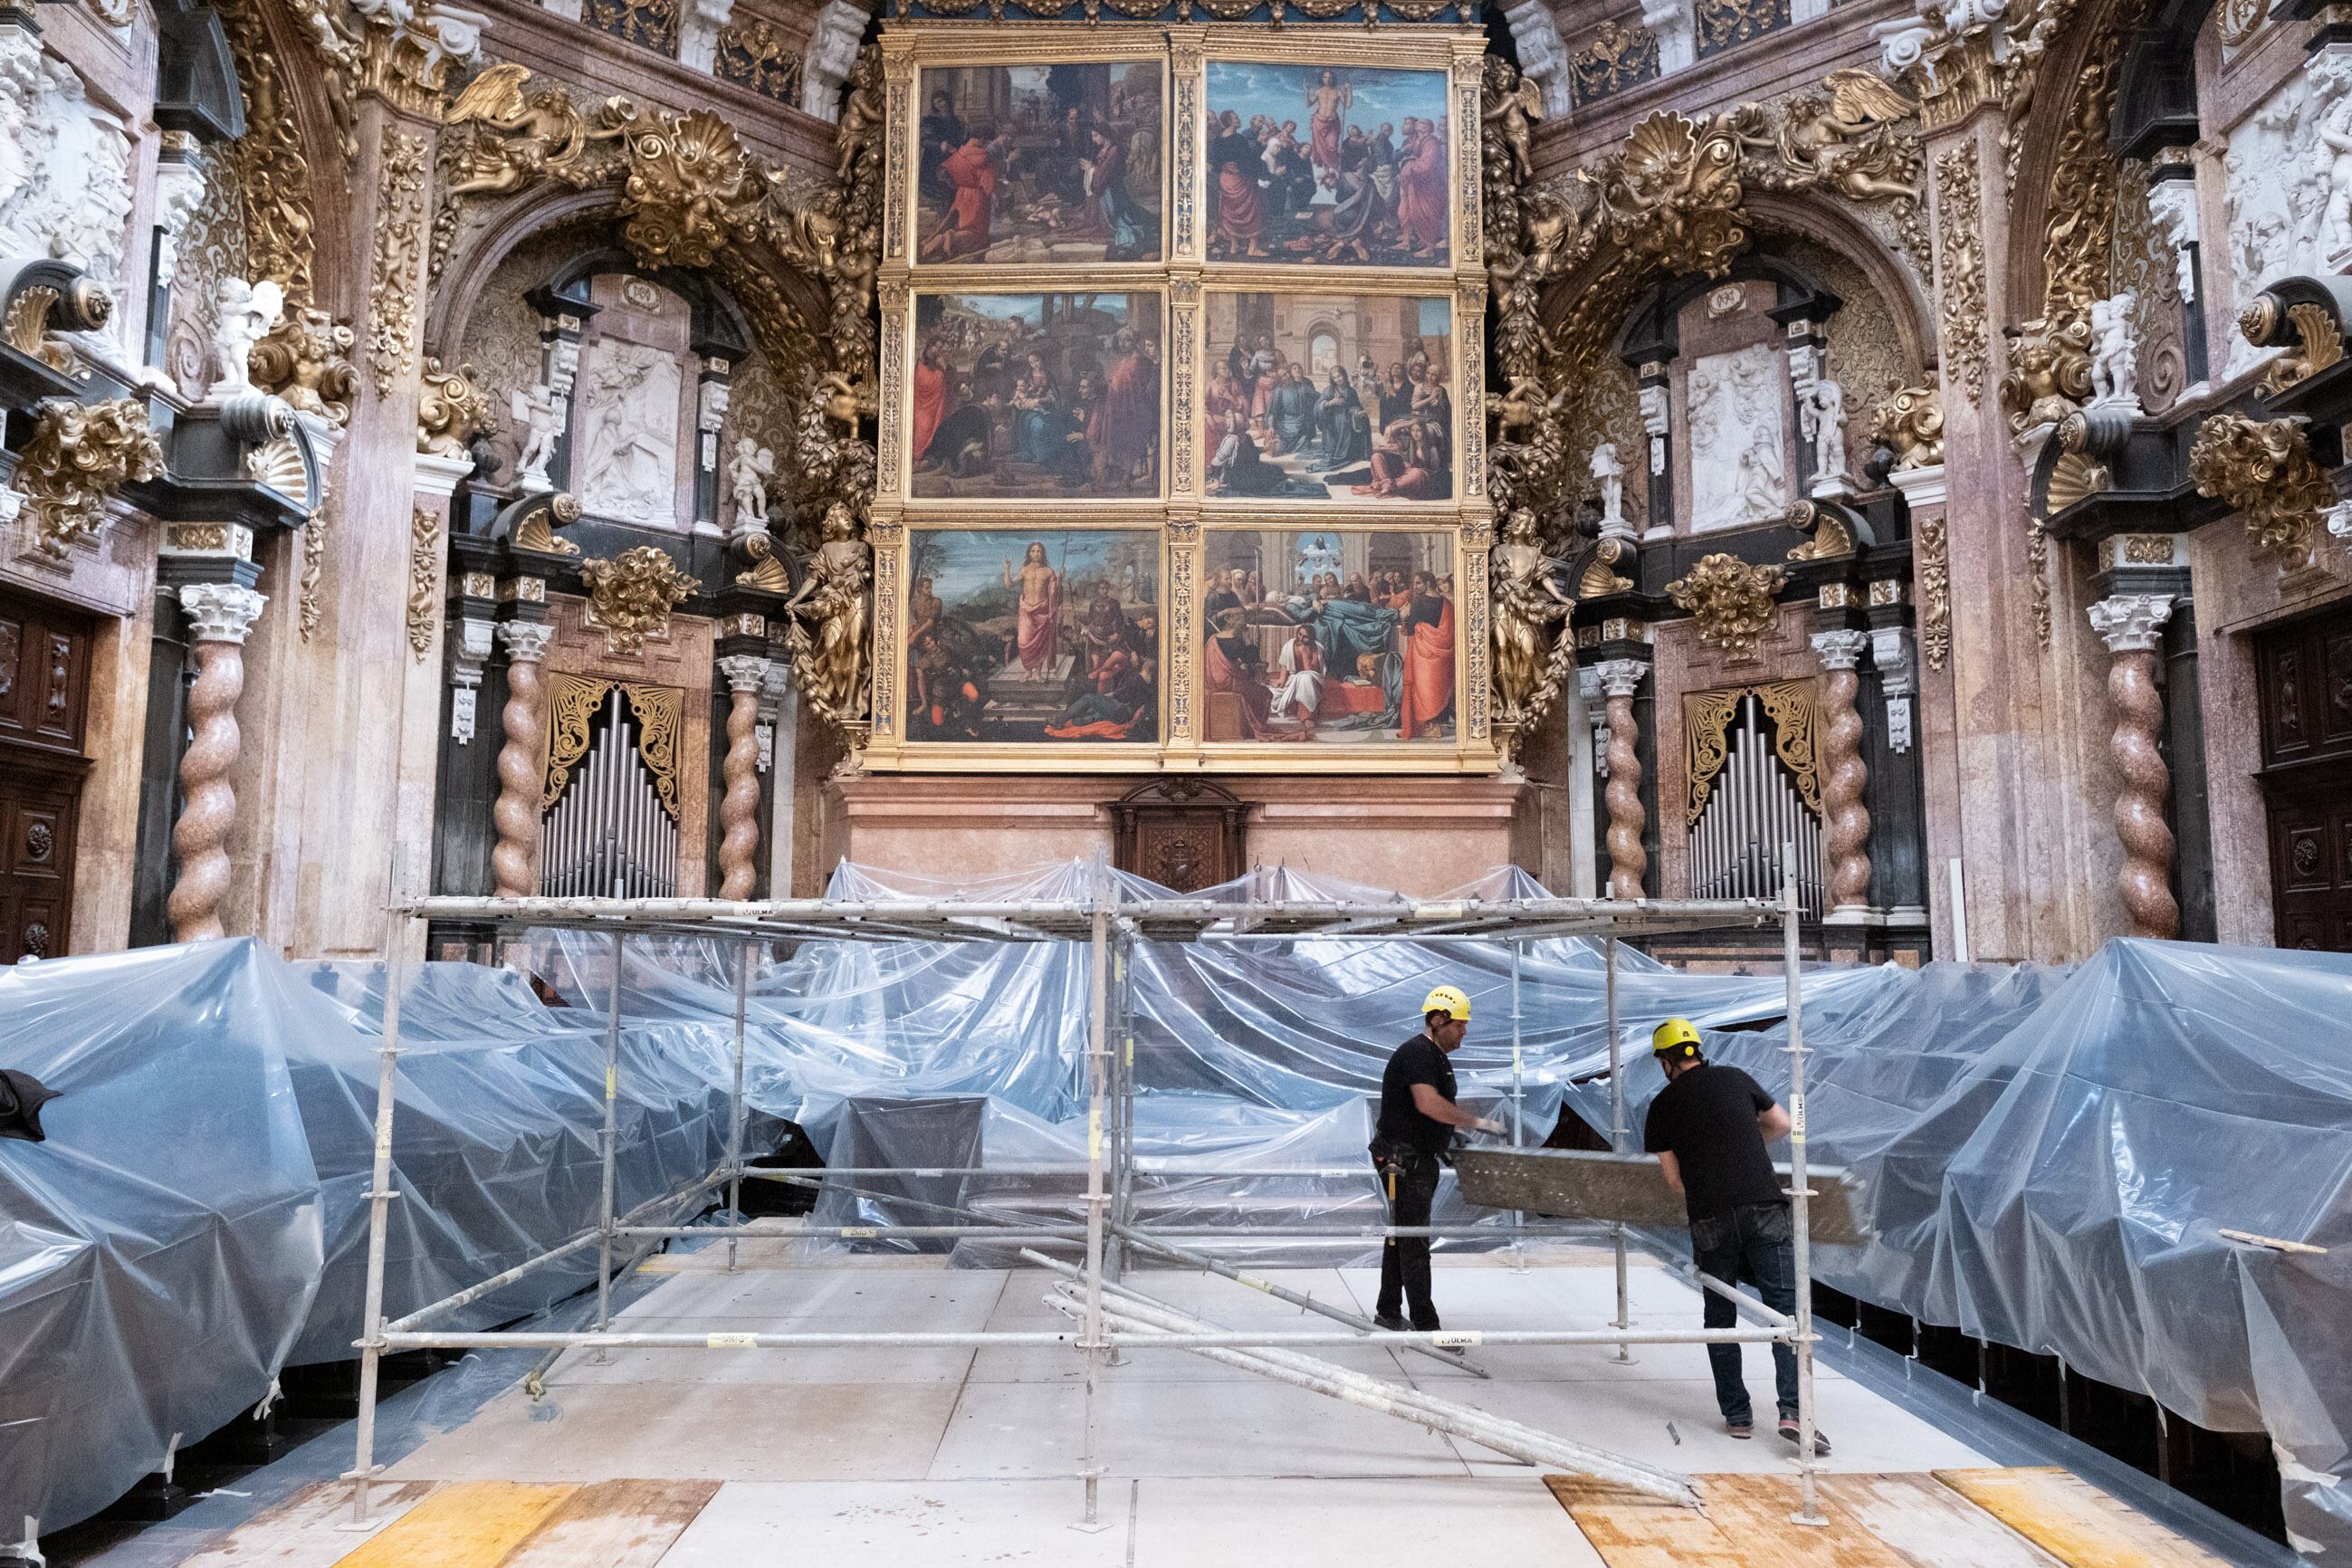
[1184, 833]
[44, 674]
[2307, 778]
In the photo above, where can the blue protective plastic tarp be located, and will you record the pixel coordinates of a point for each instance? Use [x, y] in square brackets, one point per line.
[2052, 1153]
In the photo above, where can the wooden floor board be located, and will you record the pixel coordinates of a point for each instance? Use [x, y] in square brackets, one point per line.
[466, 1525]
[1634, 1530]
[2074, 1521]
[1928, 1525]
[1753, 1513]
[614, 1524]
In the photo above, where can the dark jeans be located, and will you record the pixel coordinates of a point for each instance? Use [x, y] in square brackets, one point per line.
[1749, 1245]
[1404, 1261]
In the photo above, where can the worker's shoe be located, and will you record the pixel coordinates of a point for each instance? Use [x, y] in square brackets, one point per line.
[1389, 1323]
[1740, 1430]
[1789, 1430]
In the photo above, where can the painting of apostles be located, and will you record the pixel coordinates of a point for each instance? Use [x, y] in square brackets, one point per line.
[1032, 637]
[1333, 636]
[1320, 397]
[1039, 163]
[1327, 164]
[1035, 396]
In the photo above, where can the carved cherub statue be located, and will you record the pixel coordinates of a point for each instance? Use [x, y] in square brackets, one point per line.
[247, 313]
[749, 473]
[1824, 424]
[539, 412]
[2115, 353]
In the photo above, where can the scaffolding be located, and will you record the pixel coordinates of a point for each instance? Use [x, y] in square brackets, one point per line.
[1107, 1316]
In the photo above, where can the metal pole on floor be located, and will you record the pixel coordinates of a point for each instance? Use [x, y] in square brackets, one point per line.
[1800, 1198]
[1624, 1356]
[735, 1107]
[612, 1139]
[379, 1195]
[1098, 1062]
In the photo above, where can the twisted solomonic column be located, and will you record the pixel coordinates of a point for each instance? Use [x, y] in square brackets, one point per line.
[522, 762]
[2130, 624]
[1845, 846]
[219, 616]
[1627, 859]
[738, 809]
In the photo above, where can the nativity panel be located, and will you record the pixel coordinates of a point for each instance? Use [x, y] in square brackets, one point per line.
[1041, 165]
[1330, 398]
[1027, 396]
[1329, 637]
[1029, 637]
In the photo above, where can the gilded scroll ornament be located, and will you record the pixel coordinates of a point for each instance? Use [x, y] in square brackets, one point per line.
[1720, 24]
[268, 164]
[648, 24]
[2319, 341]
[1831, 536]
[690, 184]
[1731, 601]
[2265, 471]
[78, 457]
[423, 580]
[1910, 423]
[502, 139]
[399, 248]
[758, 56]
[1959, 218]
[2037, 574]
[2241, 19]
[571, 704]
[1848, 145]
[2049, 370]
[630, 596]
[657, 709]
[1675, 197]
[767, 572]
[537, 530]
[450, 408]
[306, 359]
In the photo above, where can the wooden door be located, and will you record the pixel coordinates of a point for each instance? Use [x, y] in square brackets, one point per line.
[2307, 778]
[44, 710]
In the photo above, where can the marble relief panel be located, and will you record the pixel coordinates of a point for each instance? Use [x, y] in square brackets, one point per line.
[629, 414]
[1739, 440]
[2287, 188]
[65, 166]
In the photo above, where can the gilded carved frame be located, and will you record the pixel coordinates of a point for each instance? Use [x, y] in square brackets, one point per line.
[1181, 514]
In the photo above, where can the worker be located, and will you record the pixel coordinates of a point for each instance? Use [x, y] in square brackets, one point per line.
[1418, 1119]
[1709, 1128]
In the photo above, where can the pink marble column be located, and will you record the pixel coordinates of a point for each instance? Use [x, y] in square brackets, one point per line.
[738, 809]
[2130, 624]
[1845, 846]
[219, 616]
[522, 762]
[1628, 861]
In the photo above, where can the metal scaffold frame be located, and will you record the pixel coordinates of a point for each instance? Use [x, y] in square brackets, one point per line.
[1108, 1317]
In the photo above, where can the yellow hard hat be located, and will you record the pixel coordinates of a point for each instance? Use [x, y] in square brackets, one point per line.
[1674, 1036]
[1450, 1001]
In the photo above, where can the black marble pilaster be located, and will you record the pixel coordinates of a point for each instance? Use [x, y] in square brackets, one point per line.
[2184, 747]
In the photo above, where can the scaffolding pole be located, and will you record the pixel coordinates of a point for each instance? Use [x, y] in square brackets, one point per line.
[735, 1103]
[1623, 1320]
[1097, 1066]
[1800, 1198]
[1518, 1101]
[379, 1197]
[611, 1137]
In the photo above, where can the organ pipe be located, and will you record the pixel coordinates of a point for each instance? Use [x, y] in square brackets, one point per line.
[610, 834]
[1754, 807]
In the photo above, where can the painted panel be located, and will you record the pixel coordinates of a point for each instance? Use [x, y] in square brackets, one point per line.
[1039, 164]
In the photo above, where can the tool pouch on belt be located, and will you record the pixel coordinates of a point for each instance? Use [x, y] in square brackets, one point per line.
[1388, 1157]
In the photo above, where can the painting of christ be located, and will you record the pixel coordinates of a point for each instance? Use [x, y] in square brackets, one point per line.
[1035, 396]
[1039, 163]
[1330, 398]
[1033, 636]
[1331, 165]
[1327, 637]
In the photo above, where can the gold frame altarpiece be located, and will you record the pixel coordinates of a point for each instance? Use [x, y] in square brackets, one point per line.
[1182, 513]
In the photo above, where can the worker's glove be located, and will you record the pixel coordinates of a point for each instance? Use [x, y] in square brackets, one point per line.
[1487, 1124]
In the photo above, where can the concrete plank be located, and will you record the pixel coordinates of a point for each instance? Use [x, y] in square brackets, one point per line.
[1251, 1524]
[918, 1524]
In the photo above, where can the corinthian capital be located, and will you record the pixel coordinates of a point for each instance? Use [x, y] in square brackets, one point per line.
[526, 641]
[1840, 649]
[2131, 623]
[1620, 676]
[220, 611]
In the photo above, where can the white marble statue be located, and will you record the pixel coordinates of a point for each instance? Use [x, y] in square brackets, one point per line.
[540, 413]
[1611, 474]
[2115, 353]
[1738, 470]
[747, 474]
[1823, 418]
[247, 313]
[2333, 158]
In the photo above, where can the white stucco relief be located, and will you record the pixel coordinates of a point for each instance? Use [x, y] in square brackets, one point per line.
[1737, 439]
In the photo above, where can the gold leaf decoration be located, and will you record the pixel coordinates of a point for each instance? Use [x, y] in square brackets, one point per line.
[1731, 600]
[2265, 471]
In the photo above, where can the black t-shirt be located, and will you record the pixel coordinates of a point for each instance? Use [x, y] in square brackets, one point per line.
[1706, 1120]
[1418, 1060]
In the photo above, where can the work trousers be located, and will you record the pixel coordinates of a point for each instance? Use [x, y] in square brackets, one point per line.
[1752, 1245]
[1404, 1261]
